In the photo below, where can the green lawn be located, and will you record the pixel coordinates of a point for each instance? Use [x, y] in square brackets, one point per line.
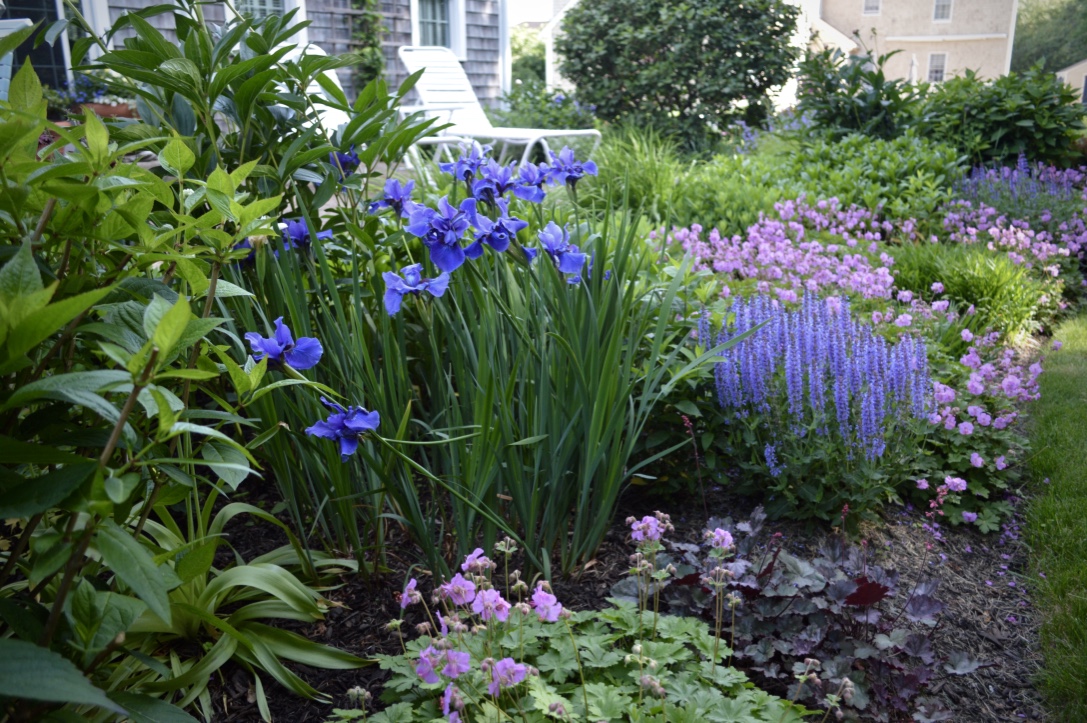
[1057, 521]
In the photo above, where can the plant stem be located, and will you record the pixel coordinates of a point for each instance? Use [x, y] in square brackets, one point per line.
[20, 545]
[39, 229]
[74, 563]
[137, 387]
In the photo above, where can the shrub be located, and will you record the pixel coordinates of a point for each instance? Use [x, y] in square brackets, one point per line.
[728, 193]
[529, 62]
[648, 62]
[900, 179]
[124, 405]
[994, 121]
[1004, 294]
[532, 660]
[530, 104]
[843, 94]
[836, 630]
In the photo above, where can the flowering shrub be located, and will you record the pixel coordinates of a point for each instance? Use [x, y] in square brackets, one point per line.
[817, 407]
[492, 647]
[836, 630]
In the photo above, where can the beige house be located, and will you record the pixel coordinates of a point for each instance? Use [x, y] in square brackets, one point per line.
[937, 39]
[1076, 76]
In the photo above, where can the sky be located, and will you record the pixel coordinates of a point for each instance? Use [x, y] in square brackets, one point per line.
[527, 11]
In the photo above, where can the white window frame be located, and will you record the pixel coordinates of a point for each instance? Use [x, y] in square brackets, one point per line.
[867, 12]
[943, 70]
[950, 9]
[458, 35]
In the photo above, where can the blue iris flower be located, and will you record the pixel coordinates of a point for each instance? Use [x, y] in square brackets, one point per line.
[410, 281]
[297, 234]
[567, 169]
[346, 162]
[397, 197]
[532, 179]
[497, 233]
[345, 425]
[465, 167]
[556, 242]
[441, 232]
[495, 183]
[281, 348]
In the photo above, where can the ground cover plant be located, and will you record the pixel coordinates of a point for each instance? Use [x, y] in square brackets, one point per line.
[494, 647]
[808, 621]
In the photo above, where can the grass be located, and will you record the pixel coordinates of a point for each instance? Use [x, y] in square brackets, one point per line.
[1057, 522]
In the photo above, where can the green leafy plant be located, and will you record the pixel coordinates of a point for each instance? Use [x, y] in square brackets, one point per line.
[647, 62]
[533, 661]
[842, 94]
[1031, 112]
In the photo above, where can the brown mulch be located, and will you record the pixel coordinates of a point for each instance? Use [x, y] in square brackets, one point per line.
[984, 584]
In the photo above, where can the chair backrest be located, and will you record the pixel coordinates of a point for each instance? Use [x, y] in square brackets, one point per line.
[7, 27]
[444, 84]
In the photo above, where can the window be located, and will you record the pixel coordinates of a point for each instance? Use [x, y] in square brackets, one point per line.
[1083, 95]
[434, 23]
[871, 7]
[937, 67]
[259, 9]
[439, 22]
[941, 10]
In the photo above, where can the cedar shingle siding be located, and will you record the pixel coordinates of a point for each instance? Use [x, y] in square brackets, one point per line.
[331, 29]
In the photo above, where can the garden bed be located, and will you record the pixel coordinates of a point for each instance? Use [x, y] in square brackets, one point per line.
[984, 582]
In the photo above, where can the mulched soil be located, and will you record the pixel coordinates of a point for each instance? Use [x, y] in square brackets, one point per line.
[984, 582]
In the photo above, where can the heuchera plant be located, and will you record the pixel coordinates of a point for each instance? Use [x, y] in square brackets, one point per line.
[492, 647]
[836, 630]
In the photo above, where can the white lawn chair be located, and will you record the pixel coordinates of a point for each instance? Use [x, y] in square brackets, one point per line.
[446, 93]
[7, 27]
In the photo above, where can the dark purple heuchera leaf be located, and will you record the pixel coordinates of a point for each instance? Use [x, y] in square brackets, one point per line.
[840, 590]
[960, 663]
[919, 646]
[923, 609]
[834, 550]
[867, 593]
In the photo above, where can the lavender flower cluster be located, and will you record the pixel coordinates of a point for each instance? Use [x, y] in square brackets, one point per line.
[838, 378]
[786, 256]
[1022, 182]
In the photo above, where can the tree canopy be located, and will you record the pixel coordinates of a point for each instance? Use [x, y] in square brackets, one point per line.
[685, 66]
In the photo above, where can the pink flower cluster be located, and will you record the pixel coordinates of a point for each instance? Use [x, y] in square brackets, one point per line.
[462, 597]
[799, 248]
[1023, 245]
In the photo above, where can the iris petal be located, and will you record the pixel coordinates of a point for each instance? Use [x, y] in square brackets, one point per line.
[305, 354]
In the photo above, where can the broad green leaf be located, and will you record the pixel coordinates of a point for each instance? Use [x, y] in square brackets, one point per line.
[90, 381]
[153, 314]
[9, 43]
[38, 325]
[133, 564]
[25, 91]
[197, 561]
[215, 452]
[177, 158]
[19, 277]
[225, 289]
[13, 451]
[117, 613]
[28, 671]
[41, 493]
[97, 137]
[172, 326]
